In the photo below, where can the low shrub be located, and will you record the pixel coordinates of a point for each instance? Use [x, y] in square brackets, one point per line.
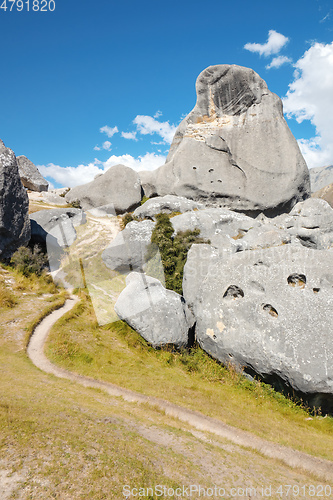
[173, 251]
[28, 261]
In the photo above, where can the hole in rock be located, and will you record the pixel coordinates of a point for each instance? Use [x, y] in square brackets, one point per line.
[297, 280]
[234, 292]
[316, 290]
[211, 170]
[219, 180]
[194, 168]
[270, 309]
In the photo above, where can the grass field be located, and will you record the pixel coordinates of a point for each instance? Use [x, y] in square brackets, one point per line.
[59, 440]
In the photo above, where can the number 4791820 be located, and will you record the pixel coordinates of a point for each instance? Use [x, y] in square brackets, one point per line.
[34, 5]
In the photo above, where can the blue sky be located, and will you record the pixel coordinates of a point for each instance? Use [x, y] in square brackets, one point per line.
[92, 84]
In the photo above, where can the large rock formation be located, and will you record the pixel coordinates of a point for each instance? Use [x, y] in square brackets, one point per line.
[116, 191]
[56, 225]
[267, 311]
[234, 149]
[127, 252]
[166, 204]
[14, 205]
[159, 315]
[30, 175]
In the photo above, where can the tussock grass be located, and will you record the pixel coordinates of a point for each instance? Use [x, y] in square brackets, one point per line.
[116, 353]
[7, 298]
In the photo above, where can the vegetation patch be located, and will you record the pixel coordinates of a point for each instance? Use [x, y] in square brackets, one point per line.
[173, 251]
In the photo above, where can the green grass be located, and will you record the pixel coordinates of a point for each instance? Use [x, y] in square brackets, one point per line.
[192, 379]
[60, 440]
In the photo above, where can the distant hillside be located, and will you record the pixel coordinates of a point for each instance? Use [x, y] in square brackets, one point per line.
[320, 177]
[326, 193]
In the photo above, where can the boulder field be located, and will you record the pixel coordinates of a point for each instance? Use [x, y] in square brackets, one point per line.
[260, 293]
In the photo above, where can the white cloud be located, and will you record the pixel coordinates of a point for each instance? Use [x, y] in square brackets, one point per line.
[70, 176]
[129, 135]
[97, 148]
[149, 125]
[274, 44]
[109, 131]
[278, 61]
[158, 114]
[74, 176]
[107, 145]
[149, 161]
[310, 97]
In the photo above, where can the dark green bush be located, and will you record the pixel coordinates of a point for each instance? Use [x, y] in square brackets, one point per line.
[173, 251]
[28, 261]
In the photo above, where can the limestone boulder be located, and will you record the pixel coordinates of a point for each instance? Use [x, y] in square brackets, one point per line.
[310, 222]
[267, 311]
[213, 222]
[127, 252]
[234, 149]
[159, 315]
[166, 204]
[117, 191]
[56, 226]
[30, 175]
[14, 206]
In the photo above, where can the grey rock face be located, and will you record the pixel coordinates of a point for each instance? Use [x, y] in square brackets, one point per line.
[159, 315]
[127, 251]
[320, 177]
[166, 204]
[213, 222]
[118, 191]
[58, 225]
[30, 175]
[234, 149]
[268, 311]
[53, 197]
[14, 205]
[310, 222]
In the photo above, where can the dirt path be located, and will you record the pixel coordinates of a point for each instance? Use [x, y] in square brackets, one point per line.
[323, 469]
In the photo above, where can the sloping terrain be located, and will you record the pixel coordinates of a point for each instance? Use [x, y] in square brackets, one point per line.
[60, 440]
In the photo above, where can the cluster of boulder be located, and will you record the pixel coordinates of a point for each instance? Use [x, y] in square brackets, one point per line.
[258, 295]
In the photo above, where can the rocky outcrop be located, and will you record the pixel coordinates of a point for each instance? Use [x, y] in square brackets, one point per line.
[30, 176]
[234, 149]
[310, 222]
[166, 204]
[116, 191]
[213, 222]
[127, 252]
[267, 311]
[56, 226]
[320, 177]
[159, 315]
[14, 206]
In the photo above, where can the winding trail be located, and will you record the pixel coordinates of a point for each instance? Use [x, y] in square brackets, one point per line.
[323, 469]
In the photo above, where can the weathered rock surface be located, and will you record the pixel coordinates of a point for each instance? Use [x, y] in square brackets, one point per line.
[56, 196]
[234, 149]
[128, 250]
[117, 191]
[310, 222]
[213, 222]
[56, 226]
[320, 177]
[267, 311]
[30, 175]
[166, 204]
[14, 205]
[159, 315]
